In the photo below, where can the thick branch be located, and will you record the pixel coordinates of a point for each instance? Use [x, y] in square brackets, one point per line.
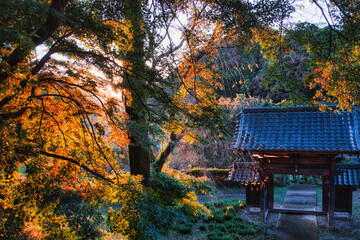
[44, 33]
[159, 164]
[52, 22]
[13, 115]
[43, 60]
[86, 168]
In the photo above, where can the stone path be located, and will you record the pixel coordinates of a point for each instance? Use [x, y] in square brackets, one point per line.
[299, 226]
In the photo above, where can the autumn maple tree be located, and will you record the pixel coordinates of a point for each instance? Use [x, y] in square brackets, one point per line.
[87, 85]
[316, 65]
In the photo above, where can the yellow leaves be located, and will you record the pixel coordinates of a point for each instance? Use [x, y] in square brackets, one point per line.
[190, 137]
[229, 208]
[192, 206]
[182, 92]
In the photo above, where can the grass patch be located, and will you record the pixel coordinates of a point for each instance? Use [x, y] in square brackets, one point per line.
[225, 224]
[219, 218]
[220, 227]
[319, 195]
[184, 229]
[279, 194]
[215, 235]
[238, 218]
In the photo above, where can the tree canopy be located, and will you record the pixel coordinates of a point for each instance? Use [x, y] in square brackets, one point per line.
[322, 59]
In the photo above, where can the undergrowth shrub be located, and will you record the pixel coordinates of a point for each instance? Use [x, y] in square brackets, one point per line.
[38, 206]
[184, 229]
[168, 199]
[215, 174]
[202, 227]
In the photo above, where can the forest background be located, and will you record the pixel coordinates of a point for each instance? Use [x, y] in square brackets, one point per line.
[100, 105]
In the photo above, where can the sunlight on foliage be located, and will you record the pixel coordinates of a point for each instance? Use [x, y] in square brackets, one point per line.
[145, 210]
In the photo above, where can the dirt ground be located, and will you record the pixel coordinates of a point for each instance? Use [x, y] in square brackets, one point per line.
[343, 229]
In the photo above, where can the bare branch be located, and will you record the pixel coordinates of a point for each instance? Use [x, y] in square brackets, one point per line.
[76, 162]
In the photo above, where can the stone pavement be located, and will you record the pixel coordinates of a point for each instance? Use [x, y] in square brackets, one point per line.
[299, 226]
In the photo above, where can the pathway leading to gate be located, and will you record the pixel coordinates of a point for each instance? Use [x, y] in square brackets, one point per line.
[299, 226]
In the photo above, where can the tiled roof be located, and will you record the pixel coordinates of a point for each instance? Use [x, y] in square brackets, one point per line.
[297, 129]
[347, 174]
[245, 172]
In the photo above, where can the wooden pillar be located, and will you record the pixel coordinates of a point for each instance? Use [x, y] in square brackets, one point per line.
[271, 192]
[248, 195]
[331, 194]
[262, 203]
[325, 195]
[350, 203]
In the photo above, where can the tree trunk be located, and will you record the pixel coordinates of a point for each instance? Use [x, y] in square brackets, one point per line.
[139, 155]
[159, 163]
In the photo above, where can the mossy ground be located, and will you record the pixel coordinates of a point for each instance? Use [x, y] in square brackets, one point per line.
[224, 224]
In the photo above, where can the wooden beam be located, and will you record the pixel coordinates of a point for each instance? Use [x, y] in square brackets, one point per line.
[307, 161]
[315, 171]
[298, 159]
[297, 211]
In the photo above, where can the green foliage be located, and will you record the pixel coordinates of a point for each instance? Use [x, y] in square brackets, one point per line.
[218, 217]
[225, 206]
[228, 217]
[83, 219]
[203, 227]
[186, 229]
[147, 210]
[220, 227]
[215, 235]
[238, 218]
[169, 189]
[303, 179]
